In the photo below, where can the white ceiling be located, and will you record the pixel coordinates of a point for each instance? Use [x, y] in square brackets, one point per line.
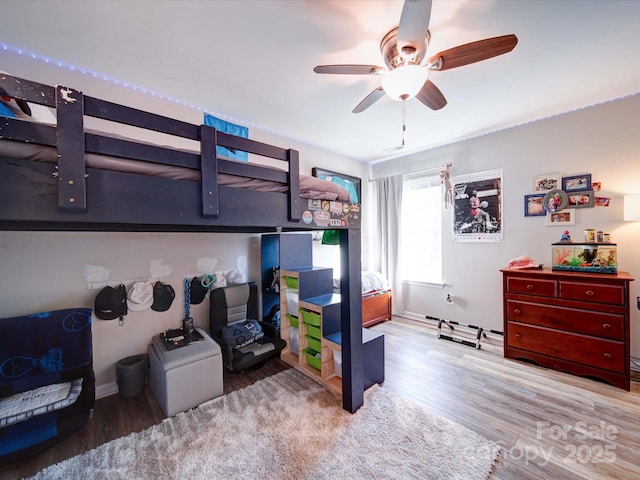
[252, 62]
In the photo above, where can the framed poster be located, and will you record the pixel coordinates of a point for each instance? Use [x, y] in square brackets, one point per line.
[478, 207]
[349, 183]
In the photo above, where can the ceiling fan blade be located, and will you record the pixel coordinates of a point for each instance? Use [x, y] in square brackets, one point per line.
[473, 52]
[350, 69]
[431, 96]
[413, 27]
[369, 100]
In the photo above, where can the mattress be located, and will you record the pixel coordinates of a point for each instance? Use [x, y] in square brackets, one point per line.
[371, 282]
[310, 187]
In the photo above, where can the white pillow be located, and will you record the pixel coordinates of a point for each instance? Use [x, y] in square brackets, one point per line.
[373, 281]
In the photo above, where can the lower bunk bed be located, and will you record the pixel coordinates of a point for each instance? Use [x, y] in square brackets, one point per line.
[376, 298]
[376, 307]
[103, 182]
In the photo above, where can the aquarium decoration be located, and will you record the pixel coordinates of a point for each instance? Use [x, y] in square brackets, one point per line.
[585, 257]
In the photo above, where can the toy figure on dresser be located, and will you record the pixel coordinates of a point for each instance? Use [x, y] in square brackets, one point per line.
[566, 237]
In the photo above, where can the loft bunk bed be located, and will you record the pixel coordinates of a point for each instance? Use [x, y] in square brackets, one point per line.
[66, 177]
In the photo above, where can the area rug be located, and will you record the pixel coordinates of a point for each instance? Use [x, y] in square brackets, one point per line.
[290, 426]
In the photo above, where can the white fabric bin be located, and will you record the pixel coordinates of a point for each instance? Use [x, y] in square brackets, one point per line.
[292, 301]
[337, 362]
[294, 336]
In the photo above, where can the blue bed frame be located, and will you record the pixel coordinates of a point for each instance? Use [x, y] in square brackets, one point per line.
[78, 198]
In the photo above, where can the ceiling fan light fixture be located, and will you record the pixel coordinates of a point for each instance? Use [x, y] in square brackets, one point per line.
[404, 82]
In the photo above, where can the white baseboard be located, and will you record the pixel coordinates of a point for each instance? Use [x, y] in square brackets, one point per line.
[412, 316]
[106, 390]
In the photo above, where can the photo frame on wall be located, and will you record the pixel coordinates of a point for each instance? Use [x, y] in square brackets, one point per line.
[534, 205]
[550, 181]
[348, 182]
[555, 200]
[581, 199]
[577, 183]
[564, 217]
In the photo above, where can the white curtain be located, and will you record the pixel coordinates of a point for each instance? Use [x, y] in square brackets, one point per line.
[387, 200]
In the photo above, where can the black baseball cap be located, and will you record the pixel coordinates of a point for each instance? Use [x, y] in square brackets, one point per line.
[111, 303]
[163, 295]
[197, 291]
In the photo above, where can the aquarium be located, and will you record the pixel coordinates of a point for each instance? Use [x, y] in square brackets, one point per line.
[584, 257]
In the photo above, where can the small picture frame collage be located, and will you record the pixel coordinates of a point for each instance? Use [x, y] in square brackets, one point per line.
[556, 197]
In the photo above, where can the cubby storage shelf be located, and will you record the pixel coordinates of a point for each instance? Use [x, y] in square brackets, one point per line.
[318, 315]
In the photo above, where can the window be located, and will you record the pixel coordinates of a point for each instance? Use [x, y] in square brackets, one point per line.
[421, 230]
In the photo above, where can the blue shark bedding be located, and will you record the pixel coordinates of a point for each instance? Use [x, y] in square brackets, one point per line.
[47, 385]
[58, 343]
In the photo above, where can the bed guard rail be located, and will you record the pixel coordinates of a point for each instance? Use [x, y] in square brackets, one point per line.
[72, 142]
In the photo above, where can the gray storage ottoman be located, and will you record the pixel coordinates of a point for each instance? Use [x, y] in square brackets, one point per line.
[185, 377]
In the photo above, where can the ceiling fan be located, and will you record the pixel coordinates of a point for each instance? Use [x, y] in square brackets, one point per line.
[403, 49]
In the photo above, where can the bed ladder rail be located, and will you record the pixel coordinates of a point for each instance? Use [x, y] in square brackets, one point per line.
[72, 184]
[295, 207]
[209, 172]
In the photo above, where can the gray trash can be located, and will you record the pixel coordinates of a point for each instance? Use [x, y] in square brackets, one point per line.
[131, 373]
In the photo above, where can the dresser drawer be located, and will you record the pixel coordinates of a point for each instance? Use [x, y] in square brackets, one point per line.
[531, 286]
[607, 325]
[593, 292]
[596, 352]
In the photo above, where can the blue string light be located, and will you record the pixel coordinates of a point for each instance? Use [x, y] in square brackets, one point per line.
[99, 76]
[137, 88]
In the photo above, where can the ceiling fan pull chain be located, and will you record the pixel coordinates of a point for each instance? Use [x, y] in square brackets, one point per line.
[404, 124]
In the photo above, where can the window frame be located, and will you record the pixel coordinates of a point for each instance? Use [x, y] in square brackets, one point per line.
[414, 182]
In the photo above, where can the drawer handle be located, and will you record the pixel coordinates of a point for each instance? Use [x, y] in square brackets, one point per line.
[590, 293]
[529, 287]
[516, 311]
[517, 335]
[606, 325]
[607, 356]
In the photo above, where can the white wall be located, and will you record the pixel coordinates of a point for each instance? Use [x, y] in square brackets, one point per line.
[44, 270]
[327, 256]
[602, 140]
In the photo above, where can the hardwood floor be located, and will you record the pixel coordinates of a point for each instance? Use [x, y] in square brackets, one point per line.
[550, 425]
